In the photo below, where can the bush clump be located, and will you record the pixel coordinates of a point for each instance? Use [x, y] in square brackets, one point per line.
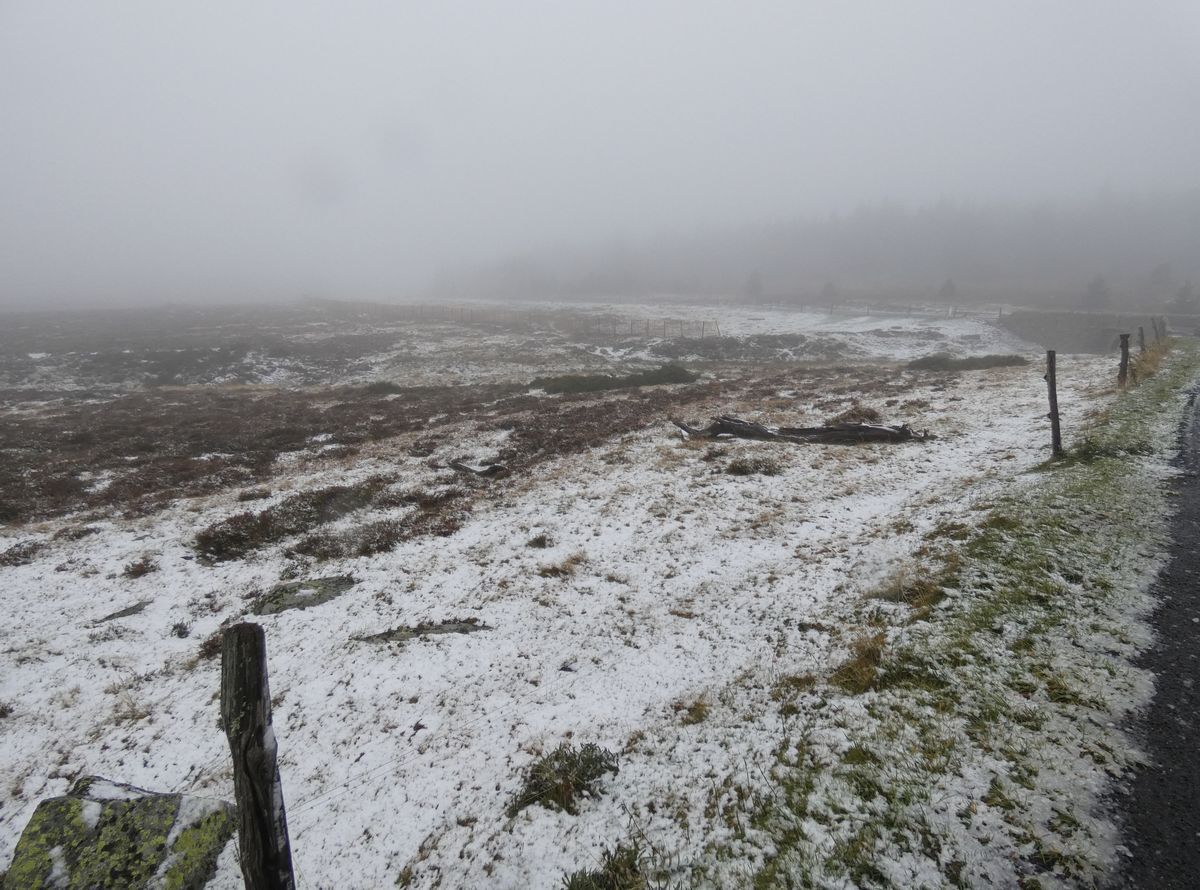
[621, 868]
[567, 773]
[572, 383]
[21, 554]
[750, 466]
[243, 533]
[942, 361]
[140, 567]
[856, 413]
[382, 388]
[380, 536]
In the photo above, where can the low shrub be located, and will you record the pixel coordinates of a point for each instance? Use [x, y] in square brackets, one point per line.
[140, 567]
[942, 361]
[382, 388]
[21, 554]
[243, 533]
[750, 466]
[856, 413]
[380, 536]
[211, 647]
[573, 383]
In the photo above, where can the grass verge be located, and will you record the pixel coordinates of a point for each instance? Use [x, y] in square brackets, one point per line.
[970, 745]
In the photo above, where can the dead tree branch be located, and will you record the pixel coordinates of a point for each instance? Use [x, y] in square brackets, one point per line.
[726, 426]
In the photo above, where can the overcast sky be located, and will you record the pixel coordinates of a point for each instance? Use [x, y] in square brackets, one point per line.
[154, 151]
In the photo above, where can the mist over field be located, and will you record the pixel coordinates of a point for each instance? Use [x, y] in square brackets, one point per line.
[228, 152]
[671, 444]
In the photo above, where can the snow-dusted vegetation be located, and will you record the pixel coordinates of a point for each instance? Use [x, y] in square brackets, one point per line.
[715, 615]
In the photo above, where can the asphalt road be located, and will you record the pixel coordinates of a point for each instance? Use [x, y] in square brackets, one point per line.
[1161, 803]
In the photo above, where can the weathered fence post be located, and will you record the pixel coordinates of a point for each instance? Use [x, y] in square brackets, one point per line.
[1141, 338]
[1052, 387]
[266, 854]
[1123, 372]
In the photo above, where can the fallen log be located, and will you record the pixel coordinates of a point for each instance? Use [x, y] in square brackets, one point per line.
[486, 470]
[836, 434]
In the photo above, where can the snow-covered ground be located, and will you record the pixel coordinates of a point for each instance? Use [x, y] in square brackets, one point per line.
[482, 343]
[674, 582]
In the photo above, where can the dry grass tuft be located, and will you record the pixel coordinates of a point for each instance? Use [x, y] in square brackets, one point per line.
[917, 591]
[1145, 364]
[856, 413]
[693, 712]
[565, 568]
[621, 868]
[857, 674]
[567, 773]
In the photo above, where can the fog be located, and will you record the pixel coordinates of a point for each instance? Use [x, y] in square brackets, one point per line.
[224, 151]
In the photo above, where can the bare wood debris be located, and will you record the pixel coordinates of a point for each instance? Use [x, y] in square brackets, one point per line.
[837, 434]
[486, 470]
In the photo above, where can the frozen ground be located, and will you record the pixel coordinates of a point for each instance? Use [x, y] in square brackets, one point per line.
[665, 582]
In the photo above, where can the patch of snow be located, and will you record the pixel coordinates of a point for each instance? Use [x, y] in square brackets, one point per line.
[59, 875]
[90, 814]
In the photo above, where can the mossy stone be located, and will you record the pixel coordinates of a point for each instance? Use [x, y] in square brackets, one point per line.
[302, 594]
[107, 835]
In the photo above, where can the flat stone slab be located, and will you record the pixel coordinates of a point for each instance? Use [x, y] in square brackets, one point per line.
[126, 612]
[425, 629]
[302, 594]
[104, 834]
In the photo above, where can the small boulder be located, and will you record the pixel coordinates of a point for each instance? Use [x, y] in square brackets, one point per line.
[103, 834]
[302, 594]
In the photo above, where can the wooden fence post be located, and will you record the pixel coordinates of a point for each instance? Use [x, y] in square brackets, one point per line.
[266, 852]
[1141, 338]
[1052, 387]
[1123, 372]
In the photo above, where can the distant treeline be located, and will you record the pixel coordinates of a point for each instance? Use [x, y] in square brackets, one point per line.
[1097, 253]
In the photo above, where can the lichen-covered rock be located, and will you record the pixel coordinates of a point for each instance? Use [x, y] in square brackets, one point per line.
[302, 594]
[104, 834]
